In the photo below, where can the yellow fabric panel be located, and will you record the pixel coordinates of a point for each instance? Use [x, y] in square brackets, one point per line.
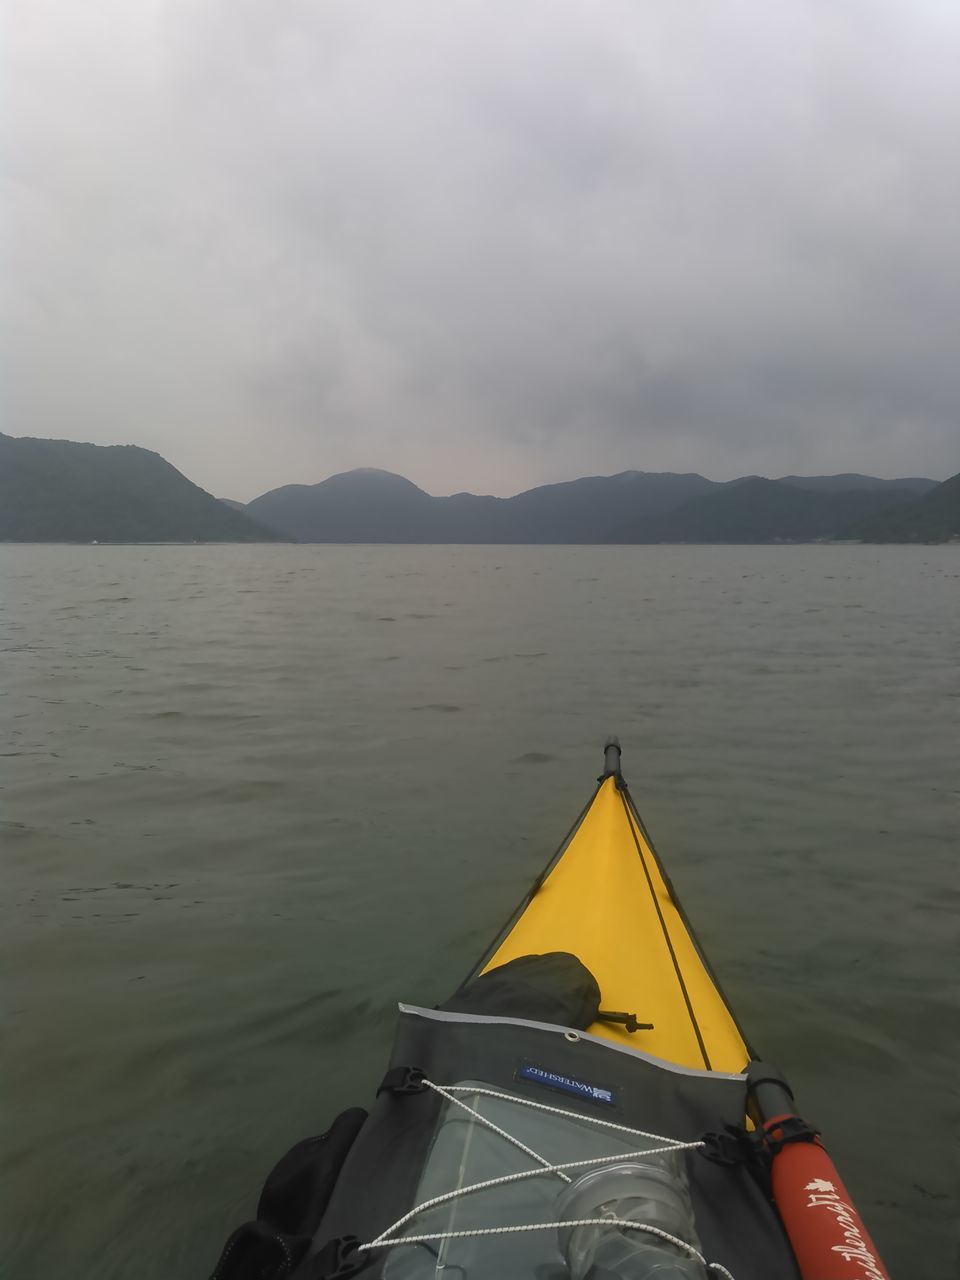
[597, 903]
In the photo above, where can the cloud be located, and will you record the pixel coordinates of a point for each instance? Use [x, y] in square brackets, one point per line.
[485, 245]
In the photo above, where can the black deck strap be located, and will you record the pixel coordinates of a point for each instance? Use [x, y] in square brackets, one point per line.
[737, 1149]
[778, 1134]
[734, 1145]
[629, 1020]
[619, 781]
[403, 1080]
[339, 1259]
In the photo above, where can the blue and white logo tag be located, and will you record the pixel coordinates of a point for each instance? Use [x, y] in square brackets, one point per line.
[566, 1084]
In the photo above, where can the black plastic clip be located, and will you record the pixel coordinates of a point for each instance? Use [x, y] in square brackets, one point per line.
[340, 1259]
[733, 1146]
[781, 1133]
[402, 1080]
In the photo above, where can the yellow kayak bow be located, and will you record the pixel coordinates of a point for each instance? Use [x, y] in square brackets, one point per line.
[606, 898]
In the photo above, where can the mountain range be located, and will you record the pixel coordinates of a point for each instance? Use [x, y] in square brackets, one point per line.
[634, 506]
[60, 491]
[377, 506]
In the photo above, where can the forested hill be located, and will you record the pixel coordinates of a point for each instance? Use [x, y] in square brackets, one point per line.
[934, 517]
[760, 510]
[369, 505]
[60, 491]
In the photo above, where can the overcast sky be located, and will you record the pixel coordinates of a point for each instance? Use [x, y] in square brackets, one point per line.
[485, 244]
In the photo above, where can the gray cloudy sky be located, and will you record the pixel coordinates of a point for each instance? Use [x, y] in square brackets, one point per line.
[485, 244]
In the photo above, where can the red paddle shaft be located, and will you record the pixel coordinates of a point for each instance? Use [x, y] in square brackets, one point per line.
[825, 1230]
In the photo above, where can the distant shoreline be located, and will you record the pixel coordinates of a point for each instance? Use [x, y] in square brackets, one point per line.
[61, 492]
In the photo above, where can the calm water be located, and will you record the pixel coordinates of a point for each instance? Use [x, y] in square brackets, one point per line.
[253, 796]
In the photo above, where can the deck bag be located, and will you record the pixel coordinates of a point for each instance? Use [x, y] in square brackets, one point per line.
[556, 988]
[419, 1143]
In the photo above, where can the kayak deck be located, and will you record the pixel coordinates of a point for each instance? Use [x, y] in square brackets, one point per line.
[607, 900]
[497, 1086]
